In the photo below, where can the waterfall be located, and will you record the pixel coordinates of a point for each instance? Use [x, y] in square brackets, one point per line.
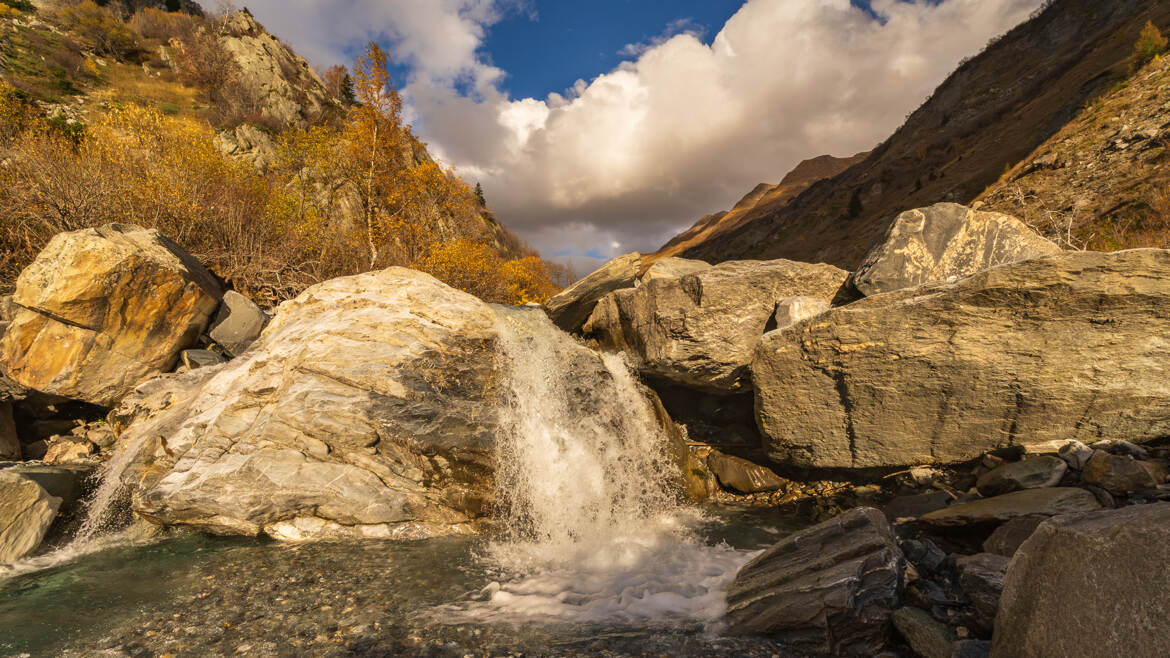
[593, 530]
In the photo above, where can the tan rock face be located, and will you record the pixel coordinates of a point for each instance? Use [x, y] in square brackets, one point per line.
[26, 512]
[570, 308]
[1068, 346]
[700, 330]
[944, 242]
[100, 310]
[1090, 584]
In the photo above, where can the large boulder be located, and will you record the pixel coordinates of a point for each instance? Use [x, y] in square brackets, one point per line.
[103, 309]
[700, 330]
[1066, 346]
[1092, 584]
[370, 406]
[828, 589]
[672, 268]
[26, 512]
[570, 308]
[945, 242]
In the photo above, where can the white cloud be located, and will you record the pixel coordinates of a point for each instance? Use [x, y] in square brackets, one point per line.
[625, 160]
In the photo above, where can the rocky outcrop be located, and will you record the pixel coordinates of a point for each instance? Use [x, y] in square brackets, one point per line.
[1057, 347]
[945, 242]
[1089, 585]
[570, 308]
[26, 512]
[277, 79]
[1047, 502]
[700, 330]
[248, 143]
[827, 589]
[104, 309]
[360, 412]
[238, 323]
[370, 406]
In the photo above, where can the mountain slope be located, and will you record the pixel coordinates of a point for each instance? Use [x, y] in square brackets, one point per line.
[760, 202]
[1102, 182]
[987, 116]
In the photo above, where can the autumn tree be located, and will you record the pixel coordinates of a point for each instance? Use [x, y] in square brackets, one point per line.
[1149, 45]
[339, 84]
[98, 25]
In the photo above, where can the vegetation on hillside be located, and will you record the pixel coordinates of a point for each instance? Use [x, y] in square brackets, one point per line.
[351, 192]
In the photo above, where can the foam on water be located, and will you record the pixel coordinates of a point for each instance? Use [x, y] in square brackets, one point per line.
[594, 531]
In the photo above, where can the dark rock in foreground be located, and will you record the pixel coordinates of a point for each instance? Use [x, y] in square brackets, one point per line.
[1093, 584]
[827, 589]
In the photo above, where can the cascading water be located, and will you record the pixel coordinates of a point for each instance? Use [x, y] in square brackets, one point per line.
[594, 531]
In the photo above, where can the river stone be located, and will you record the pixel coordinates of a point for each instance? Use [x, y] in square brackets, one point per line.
[927, 637]
[237, 324]
[1092, 584]
[1033, 473]
[9, 441]
[742, 475]
[1122, 475]
[1008, 537]
[700, 330]
[943, 373]
[826, 589]
[1120, 447]
[944, 242]
[1050, 502]
[570, 308]
[981, 577]
[26, 512]
[672, 268]
[103, 309]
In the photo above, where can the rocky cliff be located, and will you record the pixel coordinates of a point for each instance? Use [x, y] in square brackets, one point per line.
[988, 115]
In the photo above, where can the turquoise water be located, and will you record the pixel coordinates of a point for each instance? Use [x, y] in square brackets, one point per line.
[197, 595]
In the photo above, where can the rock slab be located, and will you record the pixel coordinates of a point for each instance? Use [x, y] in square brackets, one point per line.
[26, 512]
[237, 324]
[1092, 584]
[945, 242]
[828, 589]
[570, 308]
[1036, 473]
[700, 330]
[1049, 502]
[947, 372]
[103, 309]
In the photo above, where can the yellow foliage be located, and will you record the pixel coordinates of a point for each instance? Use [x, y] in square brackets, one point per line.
[1150, 44]
[99, 25]
[477, 268]
[528, 281]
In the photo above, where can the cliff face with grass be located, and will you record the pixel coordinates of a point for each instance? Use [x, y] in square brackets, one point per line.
[214, 131]
[989, 115]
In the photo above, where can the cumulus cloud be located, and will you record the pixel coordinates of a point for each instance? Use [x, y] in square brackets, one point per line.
[684, 127]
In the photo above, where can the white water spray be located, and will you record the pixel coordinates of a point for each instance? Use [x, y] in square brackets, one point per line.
[593, 530]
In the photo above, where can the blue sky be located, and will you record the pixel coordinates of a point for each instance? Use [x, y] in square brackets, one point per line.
[556, 43]
[603, 127]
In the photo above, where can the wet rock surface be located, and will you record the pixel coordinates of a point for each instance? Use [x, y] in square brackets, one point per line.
[742, 475]
[828, 589]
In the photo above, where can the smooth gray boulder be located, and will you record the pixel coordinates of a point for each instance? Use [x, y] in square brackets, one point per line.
[1056, 347]
[741, 475]
[1035, 473]
[700, 330]
[570, 308]
[1092, 584]
[26, 512]
[672, 268]
[945, 242]
[1049, 502]
[828, 589]
[237, 324]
